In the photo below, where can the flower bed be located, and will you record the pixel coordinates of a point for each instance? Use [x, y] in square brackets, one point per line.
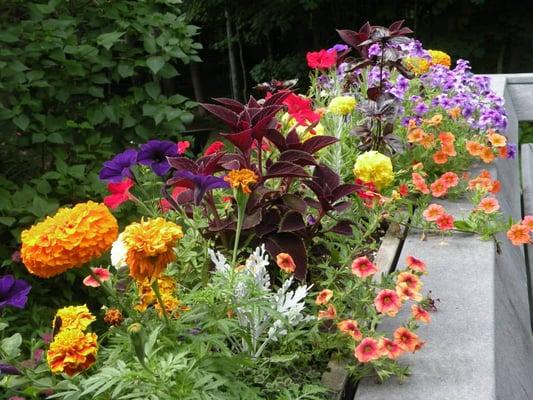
[243, 272]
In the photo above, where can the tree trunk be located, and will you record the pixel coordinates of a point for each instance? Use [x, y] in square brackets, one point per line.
[197, 86]
[231, 57]
[243, 69]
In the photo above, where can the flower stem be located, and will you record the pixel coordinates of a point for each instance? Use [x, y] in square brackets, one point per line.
[155, 288]
[240, 218]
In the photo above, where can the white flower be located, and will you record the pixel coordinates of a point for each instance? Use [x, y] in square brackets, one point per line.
[118, 253]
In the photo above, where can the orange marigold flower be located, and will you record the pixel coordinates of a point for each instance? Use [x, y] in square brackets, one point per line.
[420, 314]
[496, 139]
[419, 183]
[113, 317]
[474, 148]
[487, 155]
[445, 222]
[433, 211]
[410, 279]
[407, 340]
[440, 157]
[150, 245]
[363, 267]
[242, 178]
[415, 135]
[405, 292]
[367, 350]
[324, 297]
[388, 302]
[428, 140]
[285, 262]
[71, 238]
[518, 234]
[330, 313]
[434, 120]
[450, 179]
[73, 317]
[350, 327]
[446, 137]
[72, 351]
[439, 188]
[528, 221]
[454, 112]
[416, 264]
[389, 348]
[167, 287]
[488, 205]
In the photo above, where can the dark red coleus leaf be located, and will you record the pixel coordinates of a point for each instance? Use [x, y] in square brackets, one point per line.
[292, 221]
[291, 244]
[226, 115]
[294, 202]
[284, 169]
[343, 227]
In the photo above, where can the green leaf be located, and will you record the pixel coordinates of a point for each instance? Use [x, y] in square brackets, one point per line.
[125, 70]
[96, 91]
[107, 40]
[55, 137]
[38, 138]
[41, 207]
[22, 121]
[7, 221]
[153, 89]
[77, 171]
[11, 345]
[155, 63]
[463, 225]
[43, 187]
[8, 37]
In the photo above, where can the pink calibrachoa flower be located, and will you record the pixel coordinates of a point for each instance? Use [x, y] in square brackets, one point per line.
[350, 327]
[407, 340]
[450, 179]
[285, 262]
[433, 211]
[416, 264]
[367, 350]
[488, 205]
[445, 222]
[528, 221]
[420, 314]
[389, 348]
[120, 193]
[409, 279]
[363, 267]
[324, 297]
[439, 188]
[388, 302]
[518, 234]
[420, 183]
[182, 146]
[405, 292]
[101, 273]
[330, 313]
[322, 59]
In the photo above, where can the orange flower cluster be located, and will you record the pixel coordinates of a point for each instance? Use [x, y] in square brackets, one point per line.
[323, 298]
[72, 351]
[242, 178]
[71, 238]
[113, 317]
[484, 182]
[486, 151]
[436, 213]
[167, 287]
[520, 234]
[150, 247]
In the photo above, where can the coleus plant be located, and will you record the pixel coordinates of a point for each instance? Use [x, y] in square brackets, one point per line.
[293, 192]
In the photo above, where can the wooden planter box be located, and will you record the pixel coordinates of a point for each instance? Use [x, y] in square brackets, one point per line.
[479, 342]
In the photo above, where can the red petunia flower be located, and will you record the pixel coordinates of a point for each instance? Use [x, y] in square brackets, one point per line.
[214, 147]
[322, 59]
[119, 193]
[182, 146]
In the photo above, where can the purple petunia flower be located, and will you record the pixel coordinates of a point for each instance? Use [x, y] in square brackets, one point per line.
[374, 50]
[511, 151]
[339, 48]
[421, 109]
[200, 183]
[13, 292]
[119, 167]
[154, 155]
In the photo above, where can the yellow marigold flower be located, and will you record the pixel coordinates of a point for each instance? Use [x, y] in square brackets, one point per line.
[342, 105]
[167, 287]
[417, 65]
[440, 57]
[69, 239]
[72, 351]
[241, 178]
[375, 167]
[150, 245]
[113, 316]
[74, 317]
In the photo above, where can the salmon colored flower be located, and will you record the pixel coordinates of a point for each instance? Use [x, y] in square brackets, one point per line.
[150, 245]
[113, 317]
[433, 211]
[72, 351]
[495, 186]
[330, 313]
[418, 166]
[419, 183]
[407, 340]
[73, 317]
[407, 293]
[428, 140]
[388, 302]
[450, 179]
[502, 152]
[445, 222]
[420, 314]
[518, 234]
[102, 273]
[454, 112]
[528, 221]
[440, 157]
[324, 297]
[446, 137]
[71, 238]
[434, 120]
[410, 279]
[285, 262]
[403, 189]
[415, 135]
[367, 350]
[242, 178]
[389, 348]
[363, 267]
[349, 327]
[488, 205]
[439, 188]
[448, 149]
[416, 264]
[496, 139]
[487, 155]
[474, 148]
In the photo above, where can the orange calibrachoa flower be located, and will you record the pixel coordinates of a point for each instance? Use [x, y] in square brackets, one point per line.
[416, 135]
[449, 149]
[330, 313]
[113, 317]
[72, 351]
[405, 292]
[367, 350]
[440, 157]
[407, 340]
[439, 188]
[528, 221]
[474, 148]
[454, 112]
[74, 317]
[433, 211]
[488, 205]
[487, 155]
[71, 238]
[427, 141]
[388, 302]
[446, 138]
[420, 314]
[419, 183]
[389, 348]
[324, 297]
[434, 120]
[363, 267]
[285, 262]
[416, 264]
[350, 327]
[496, 139]
[410, 279]
[445, 222]
[450, 179]
[518, 234]
[242, 178]
[150, 245]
